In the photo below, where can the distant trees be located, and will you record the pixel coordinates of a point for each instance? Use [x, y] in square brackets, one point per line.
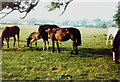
[97, 20]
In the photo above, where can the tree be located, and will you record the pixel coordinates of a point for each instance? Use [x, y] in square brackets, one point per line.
[28, 5]
[116, 17]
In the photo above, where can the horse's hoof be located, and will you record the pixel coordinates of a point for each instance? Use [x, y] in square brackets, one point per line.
[76, 53]
[116, 62]
[19, 48]
[48, 49]
[71, 52]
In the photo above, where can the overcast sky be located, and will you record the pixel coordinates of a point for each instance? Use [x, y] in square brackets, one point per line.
[77, 10]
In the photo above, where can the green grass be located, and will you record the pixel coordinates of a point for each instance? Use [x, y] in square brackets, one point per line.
[94, 61]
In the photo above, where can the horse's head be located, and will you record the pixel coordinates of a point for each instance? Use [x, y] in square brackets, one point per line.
[28, 42]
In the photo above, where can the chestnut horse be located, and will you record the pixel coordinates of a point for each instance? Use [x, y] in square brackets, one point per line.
[64, 34]
[10, 32]
[115, 49]
[33, 37]
[43, 33]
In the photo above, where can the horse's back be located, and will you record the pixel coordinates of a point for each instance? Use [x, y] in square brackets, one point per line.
[112, 31]
[64, 34]
[33, 35]
[10, 31]
[46, 26]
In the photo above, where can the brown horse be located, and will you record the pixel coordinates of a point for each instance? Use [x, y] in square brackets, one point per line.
[44, 31]
[33, 37]
[10, 32]
[115, 49]
[64, 34]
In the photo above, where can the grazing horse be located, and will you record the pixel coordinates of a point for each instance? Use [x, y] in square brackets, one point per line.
[111, 34]
[33, 37]
[115, 49]
[10, 32]
[64, 34]
[44, 31]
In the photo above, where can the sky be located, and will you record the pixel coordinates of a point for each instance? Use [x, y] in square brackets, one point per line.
[76, 10]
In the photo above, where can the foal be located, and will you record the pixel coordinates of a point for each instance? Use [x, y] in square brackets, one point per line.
[33, 37]
[10, 32]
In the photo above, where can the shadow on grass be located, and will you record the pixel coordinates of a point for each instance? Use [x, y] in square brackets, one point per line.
[83, 52]
[23, 49]
[89, 52]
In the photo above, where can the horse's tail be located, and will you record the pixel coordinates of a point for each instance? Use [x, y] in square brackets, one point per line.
[78, 38]
[0, 42]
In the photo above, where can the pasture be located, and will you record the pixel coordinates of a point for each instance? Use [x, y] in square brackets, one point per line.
[93, 62]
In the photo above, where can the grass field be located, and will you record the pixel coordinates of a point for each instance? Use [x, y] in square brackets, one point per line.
[94, 61]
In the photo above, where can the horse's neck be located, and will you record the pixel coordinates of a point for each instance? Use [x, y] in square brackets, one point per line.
[116, 41]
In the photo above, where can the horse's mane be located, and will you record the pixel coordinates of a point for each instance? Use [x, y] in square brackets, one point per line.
[33, 33]
[48, 26]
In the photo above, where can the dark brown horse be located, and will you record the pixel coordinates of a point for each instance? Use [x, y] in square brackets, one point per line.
[64, 34]
[44, 31]
[33, 37]
[10, 32]
[115, 49]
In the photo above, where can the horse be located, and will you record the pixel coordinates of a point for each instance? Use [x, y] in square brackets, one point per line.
[43, 32]
[111, 34]
[115, 49]
[32, 37]
[64, 34]
[10, 32]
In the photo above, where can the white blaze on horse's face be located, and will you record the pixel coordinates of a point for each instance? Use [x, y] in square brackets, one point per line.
[113, 56]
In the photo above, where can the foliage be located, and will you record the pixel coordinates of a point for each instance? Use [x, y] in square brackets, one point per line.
[116, 17]
[54, 5]
[93, 62]
[28, 5]
[22, 6]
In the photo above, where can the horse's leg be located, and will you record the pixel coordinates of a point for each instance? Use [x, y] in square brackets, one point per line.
[48, 45]
[52, 37]
[7, 39]
[14, 41]
[32, 42]
[76, 48]
[53, 46]
[112, 41]
[18, 40]
[116, 56]
[72, 47]
[36, 43]
[58, 46]
[44, 45]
